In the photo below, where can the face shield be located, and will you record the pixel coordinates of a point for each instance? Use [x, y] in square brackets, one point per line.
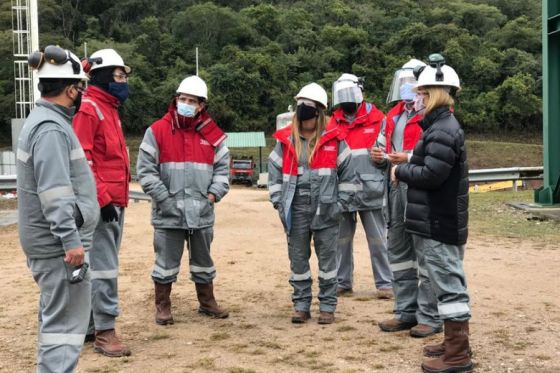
[346, 91]
[401, 77]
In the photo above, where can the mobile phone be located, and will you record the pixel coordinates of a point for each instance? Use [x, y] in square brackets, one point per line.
[79, 273]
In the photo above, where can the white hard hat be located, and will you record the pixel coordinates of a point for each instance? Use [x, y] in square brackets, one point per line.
[315, 92]
[106, 58]
[402, 76]
[347, 88]
[448, 77]
[193, 86]
[57, 63]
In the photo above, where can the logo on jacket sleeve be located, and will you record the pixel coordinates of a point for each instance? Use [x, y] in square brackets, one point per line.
[369, 130]
[204, 142]
[329, 148]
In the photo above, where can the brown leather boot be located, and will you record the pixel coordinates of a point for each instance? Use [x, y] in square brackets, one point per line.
[395, 325]
[108, 344]
[208, 305]
[163, 304]
[325, 318]
[436, 350]
[456, 357]
[423, 330]
[300, 317]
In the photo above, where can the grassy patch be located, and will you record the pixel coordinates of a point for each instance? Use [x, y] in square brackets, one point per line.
[240, 370]
[159, 335]
[496, 154]
[489, 215]
[205, 362]
[390, 348]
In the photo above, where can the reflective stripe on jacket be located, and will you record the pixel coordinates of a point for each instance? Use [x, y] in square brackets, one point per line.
[179, 167]
[98, 126]
[57, 203]
[366, 182]
[331, 158]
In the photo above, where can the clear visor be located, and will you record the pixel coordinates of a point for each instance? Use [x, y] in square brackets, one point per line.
[401, 77]
[346, 91]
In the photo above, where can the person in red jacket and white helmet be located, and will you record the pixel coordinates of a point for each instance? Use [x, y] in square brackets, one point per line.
[305, 168]
[183, 164]
[98, 127]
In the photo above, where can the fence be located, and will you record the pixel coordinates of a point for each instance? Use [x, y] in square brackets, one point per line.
[7, 163]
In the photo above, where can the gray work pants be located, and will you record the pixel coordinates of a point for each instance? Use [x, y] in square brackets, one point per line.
[443, 264]
[169, 245]
[415, 300]
[104, 270]
[376, 231]
[299, 252]
[63, 315]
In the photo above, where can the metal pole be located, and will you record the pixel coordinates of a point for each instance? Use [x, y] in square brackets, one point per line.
[196, 61]
[34, 31]
[548, 193]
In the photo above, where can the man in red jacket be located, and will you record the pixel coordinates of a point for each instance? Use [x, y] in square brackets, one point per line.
[98, 127]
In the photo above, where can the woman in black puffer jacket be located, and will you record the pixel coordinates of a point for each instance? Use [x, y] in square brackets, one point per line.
[437, 212]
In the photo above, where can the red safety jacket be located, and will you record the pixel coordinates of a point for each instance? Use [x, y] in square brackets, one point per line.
[98, 127]
[325, 157]
[363, 131]
[412, 130]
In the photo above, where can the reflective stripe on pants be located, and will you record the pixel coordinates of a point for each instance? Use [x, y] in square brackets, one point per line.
[299, 252]
[376, 231]
[444, 268]
[104, 269]
[169, 245]
[414, 297]
[64, 310]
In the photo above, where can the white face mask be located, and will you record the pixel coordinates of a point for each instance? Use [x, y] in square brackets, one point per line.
[419, 103]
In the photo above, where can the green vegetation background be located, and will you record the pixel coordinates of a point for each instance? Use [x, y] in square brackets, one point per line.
[255, 55]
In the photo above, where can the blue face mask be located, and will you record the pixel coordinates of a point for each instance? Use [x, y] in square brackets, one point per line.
[186, 110]
[119, 90]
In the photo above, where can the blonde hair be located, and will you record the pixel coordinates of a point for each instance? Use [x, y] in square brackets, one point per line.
[437, 97]
[312, 144]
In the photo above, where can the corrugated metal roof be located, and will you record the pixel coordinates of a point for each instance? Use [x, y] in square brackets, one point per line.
[245, 140]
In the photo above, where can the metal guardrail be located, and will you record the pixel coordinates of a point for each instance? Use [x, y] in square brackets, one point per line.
[505, 174]
[8, 182]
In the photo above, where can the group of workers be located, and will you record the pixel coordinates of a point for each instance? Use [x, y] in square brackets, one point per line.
[406, 170]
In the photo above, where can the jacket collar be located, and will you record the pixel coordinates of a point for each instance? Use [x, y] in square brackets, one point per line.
[100, 95]
[435, 115]
[66, 112]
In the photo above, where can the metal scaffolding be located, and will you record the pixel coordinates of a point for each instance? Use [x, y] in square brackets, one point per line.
[25, 39]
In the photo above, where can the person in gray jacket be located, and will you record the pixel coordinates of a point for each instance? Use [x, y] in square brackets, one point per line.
[183, 164]
[58, 209]
[305, 168]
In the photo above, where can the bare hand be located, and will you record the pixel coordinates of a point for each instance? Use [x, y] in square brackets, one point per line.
[211, 198]
[398, 158]
[394, 179]
[75, 257]
[377, 155]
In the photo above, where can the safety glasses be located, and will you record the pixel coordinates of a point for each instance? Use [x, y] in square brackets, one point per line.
[54, 55]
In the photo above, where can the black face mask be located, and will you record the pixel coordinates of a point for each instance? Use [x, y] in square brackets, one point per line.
[304, 112]
[349, 107]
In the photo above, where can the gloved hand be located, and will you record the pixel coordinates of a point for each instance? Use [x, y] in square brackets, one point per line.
[109, 213]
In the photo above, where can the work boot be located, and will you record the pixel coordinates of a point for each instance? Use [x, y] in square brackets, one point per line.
[437, 350]
[326, 318]
[341, 292]
[300, 317]
[395, 325]
[108, 344]
[208, 305]
[423, 330]
[456, 357]
[384, 293]
[163, 304]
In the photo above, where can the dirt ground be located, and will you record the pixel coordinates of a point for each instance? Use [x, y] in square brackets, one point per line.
[514, 287]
